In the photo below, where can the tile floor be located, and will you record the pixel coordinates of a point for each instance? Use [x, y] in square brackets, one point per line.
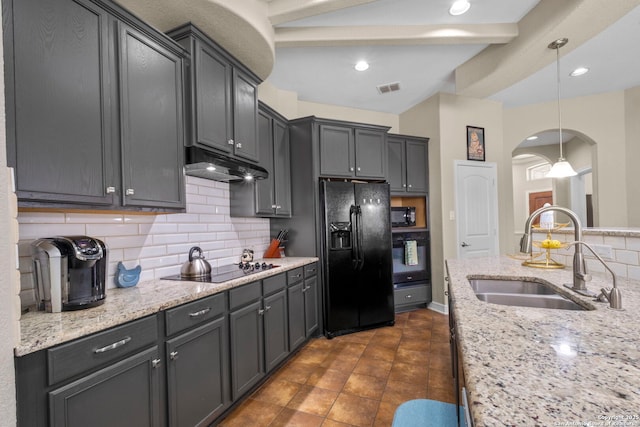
[357, 379]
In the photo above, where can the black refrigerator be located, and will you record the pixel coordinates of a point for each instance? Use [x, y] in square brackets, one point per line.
[357, 257]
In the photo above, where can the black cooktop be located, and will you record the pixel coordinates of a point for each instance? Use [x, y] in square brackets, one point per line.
[227, 272]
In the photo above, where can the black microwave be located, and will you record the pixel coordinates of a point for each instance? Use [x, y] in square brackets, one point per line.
[404, 216]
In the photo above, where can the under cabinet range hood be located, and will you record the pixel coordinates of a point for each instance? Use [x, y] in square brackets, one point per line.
[218, 167]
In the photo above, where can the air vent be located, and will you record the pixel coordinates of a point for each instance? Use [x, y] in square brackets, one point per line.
[388, 87]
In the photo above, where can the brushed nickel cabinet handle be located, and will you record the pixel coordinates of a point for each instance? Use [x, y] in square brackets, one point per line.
[173, 355]
[112, 346]
[111, 190]
[200, 313]
[155, 363]
[130, 192]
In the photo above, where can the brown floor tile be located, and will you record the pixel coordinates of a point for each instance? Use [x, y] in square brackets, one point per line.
[374, 351]
[311, 356]
[339, 362]
[358, 411]
[413, 357]
[331, 423]
[373, 367]
[316, 401]
[291, 418]
[277, 391]
[413, 344]
[442, 394]
[440, 347]
[440, 362]
[387, 341]
[319, 344]
[398, 392]
[440, 378]
[365, 386]
[388, 331]
[385, 414]
[252, 413]
[350, 349]
[405, 372]
[328, 379]
[295, 371]
[363, 337]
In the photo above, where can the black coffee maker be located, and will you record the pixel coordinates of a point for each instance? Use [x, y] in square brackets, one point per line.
[70, 272]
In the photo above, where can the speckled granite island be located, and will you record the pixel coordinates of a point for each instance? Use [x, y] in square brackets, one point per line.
[41, 330]
[547, 367]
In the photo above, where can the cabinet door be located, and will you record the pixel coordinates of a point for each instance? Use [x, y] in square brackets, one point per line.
[198, 374]
[310, 305]
[297, 331]
[58, 102]
[371, 154]
[245, 117]
[396, 172]
[247, 348]
[126, 393]
[417, 167]
[276, 336]
[336, 151]
[281, 168]
[265, 188]
[151, 122]
[212, 94]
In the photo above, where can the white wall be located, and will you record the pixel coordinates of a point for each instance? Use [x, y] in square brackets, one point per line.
[159, 243]
[9, 302]
[632, 154]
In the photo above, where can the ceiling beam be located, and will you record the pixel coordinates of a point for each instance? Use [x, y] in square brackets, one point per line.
[281, 11]
[395, 35]
[499, 67]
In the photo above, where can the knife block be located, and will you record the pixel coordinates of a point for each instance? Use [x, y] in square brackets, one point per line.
[273, 251]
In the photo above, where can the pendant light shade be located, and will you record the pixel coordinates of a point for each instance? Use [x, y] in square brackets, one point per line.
[562, 168]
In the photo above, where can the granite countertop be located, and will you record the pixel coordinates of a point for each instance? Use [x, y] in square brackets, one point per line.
[40, 330]
[543, 367]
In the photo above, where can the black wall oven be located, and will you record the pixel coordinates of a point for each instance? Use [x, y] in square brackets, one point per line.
[405, 274]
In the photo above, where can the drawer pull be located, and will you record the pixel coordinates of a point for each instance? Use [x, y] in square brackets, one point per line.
[173, 355]
[261, 312]
[297, 276]
[155, 363]
[112, 346]
[408, 296]
[200, 313]
[267, 308]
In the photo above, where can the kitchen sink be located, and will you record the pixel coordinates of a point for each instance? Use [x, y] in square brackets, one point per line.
[521, 293]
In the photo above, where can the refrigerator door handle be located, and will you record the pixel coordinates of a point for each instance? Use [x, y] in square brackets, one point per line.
[359, 237]
[353, 219]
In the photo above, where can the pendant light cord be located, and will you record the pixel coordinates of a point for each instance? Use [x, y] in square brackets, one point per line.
[559, 111]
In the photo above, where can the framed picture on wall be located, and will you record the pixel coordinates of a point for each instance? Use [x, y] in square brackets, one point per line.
[475, 143]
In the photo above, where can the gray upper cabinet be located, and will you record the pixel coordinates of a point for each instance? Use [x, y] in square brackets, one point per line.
[408, 164]
[151, 122]
[57, 93]
[270, 197]
[222, 98]
[92, 105]
[351, 152]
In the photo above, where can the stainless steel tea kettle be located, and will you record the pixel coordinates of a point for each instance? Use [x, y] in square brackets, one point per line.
[197, 266]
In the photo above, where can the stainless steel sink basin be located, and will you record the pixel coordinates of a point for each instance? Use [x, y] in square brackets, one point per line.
[510, 287]
[521, 293]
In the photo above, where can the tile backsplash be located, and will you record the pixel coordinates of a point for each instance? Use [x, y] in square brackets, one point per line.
[619, 249]
[159, 243]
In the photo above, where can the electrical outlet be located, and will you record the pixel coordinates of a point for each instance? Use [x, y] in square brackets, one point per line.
[452, 216]
[605, 251]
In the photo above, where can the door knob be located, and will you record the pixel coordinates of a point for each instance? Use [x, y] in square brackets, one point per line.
[465, 244]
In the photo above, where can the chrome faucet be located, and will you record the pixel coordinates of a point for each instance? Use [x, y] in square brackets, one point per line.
[613, 296]
[580, 276]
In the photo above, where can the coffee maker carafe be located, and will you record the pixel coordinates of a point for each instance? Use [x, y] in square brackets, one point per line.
[70, 272]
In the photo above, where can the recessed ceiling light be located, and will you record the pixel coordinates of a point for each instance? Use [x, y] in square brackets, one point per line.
[361, 65]
[459, 7]
[532, 138]
[579, 71]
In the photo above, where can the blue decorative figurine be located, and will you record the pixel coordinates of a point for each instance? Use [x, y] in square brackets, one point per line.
[127, 278]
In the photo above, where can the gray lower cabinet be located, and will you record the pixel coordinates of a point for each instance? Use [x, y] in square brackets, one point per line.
[126, 393]
[310, 292]
[408, 164]
[198, 374]
[247, 347]
[303, 304]
[276, 334]
[94, 109]
[297, 331]
[410, 297]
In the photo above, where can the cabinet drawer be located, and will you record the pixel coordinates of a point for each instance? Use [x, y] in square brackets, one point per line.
[410, 295]
[294, 276]
[274, 283]
[310, 270]
[244, 294]
[194, 313]
[101, 348]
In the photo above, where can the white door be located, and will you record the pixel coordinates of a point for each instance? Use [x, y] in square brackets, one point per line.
[476, 209]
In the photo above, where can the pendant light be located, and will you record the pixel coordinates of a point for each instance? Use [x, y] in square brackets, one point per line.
[561, 168]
